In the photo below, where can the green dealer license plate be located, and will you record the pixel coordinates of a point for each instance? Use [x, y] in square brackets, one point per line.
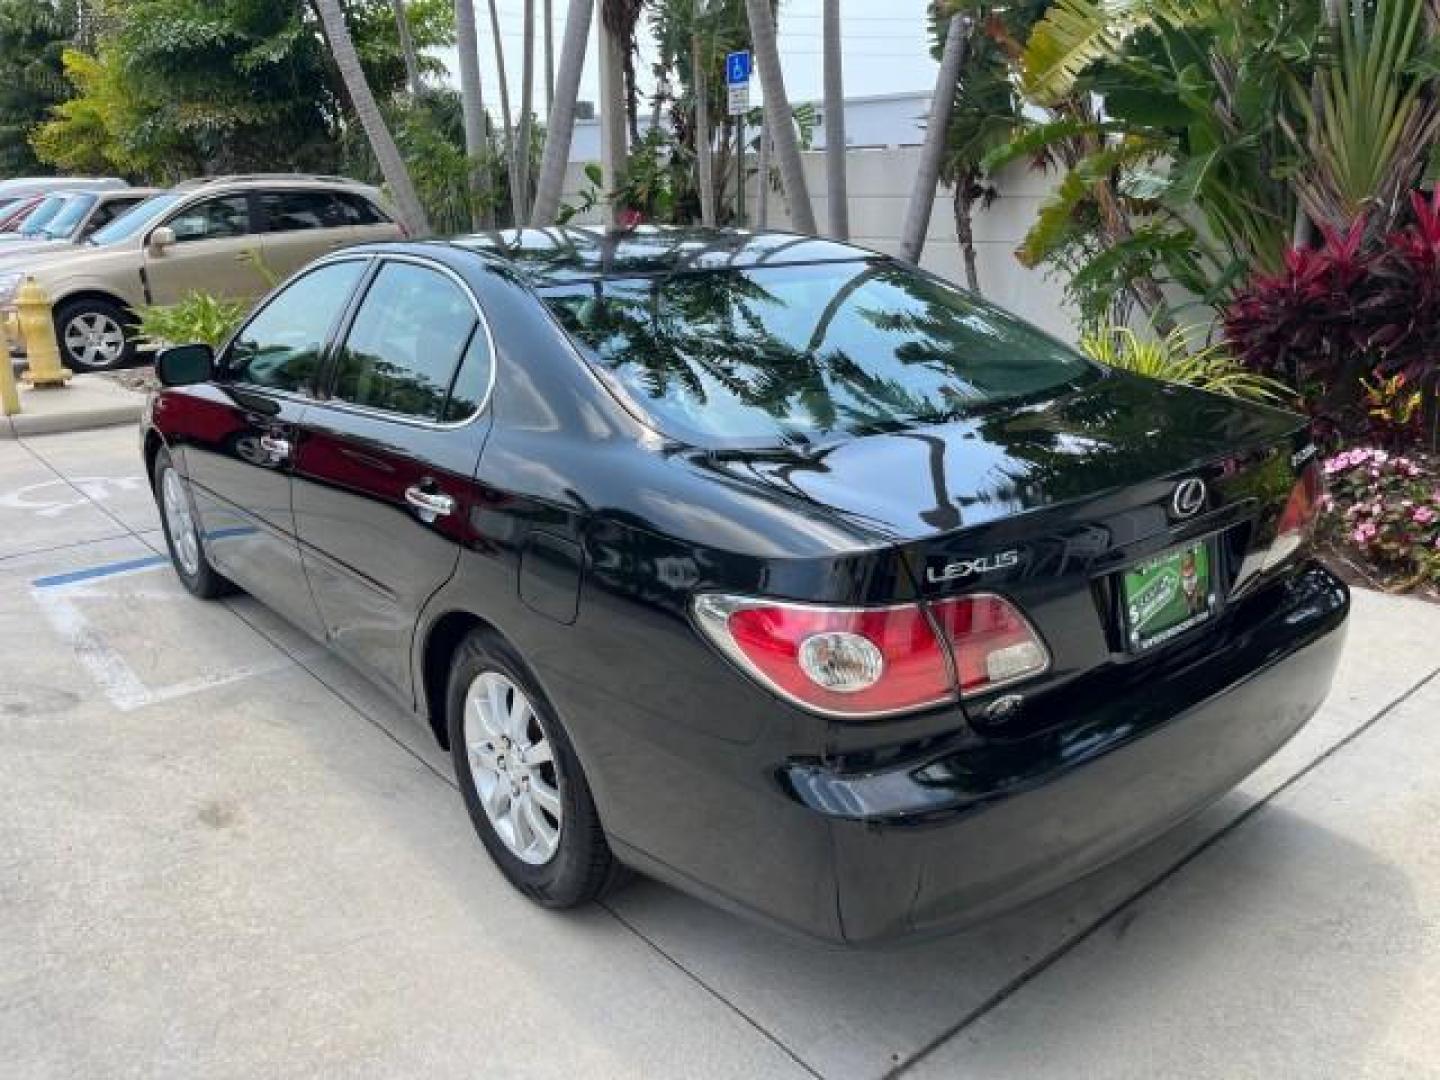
[1167, 595]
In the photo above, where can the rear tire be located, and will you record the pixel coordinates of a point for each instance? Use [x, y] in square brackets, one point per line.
[94, 334]
[183, 534]
[522, 783]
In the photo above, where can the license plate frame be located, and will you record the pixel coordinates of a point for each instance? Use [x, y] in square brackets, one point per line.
[1158, 603]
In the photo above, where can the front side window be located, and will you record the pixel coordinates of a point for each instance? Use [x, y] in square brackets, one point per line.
[292, 211]
[212, 219]
[406, 342]
[280, 347]
[784, 354]
[109, 212]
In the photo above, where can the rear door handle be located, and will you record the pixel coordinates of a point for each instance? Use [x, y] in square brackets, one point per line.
[431, 504]
[277, 448]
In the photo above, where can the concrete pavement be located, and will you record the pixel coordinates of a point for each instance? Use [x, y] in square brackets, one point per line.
[223, 853]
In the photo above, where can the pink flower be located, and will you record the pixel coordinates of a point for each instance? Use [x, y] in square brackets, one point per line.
[1364, 533]
[1423, 515]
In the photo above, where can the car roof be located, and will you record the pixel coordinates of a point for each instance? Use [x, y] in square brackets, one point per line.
[569, 254]
[268, 180]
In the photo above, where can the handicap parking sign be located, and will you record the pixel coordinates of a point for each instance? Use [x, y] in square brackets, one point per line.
[737, 67]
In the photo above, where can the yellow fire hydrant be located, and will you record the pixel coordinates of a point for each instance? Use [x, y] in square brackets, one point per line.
[9, 397]
[37, 326]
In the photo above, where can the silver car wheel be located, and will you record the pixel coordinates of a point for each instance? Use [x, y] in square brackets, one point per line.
[95, 340]
[513, 767]
[180, 523]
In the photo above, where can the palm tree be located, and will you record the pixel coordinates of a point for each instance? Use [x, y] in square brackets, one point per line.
[932, 154]
[521, 194]
[382, 143]
[407, 48]
[777, 109]
[504, 102]
[834, 125]
[472, 108]
[549, 16]
[612, 117]
[701, 89]
[562, 116]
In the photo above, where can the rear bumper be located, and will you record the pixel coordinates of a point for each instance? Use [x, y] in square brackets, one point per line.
[936, 845]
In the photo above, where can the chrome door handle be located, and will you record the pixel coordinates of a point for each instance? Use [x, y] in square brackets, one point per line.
[431, 504]
[277, 448]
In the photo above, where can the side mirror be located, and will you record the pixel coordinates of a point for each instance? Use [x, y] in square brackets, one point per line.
[162, 238]
[185, 365]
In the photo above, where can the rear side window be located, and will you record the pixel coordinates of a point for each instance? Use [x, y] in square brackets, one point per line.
[108, 212]
[359, 210]
[280, 347]
[212, 219]
[406, 342]
[774, 355]
[291, 211]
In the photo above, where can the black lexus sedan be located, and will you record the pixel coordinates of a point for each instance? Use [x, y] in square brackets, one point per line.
[765, 565]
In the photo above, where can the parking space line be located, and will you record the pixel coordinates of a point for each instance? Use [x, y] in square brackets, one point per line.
[92, 572]
[1038, 968]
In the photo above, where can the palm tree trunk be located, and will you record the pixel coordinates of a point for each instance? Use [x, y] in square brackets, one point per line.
[527, 109]
[779, 116]
[562, 116]
[407, 48]
[762, 170]
[382, 143]
[703, 162]
[549, 16]
[965, 185]
[504, 105]
[472, 108]
[927, 175]
[835, 125]
[612, 120]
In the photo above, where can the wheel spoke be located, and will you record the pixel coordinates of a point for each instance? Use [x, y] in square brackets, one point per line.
[544, 831]
[497, 800]
[539, 754]
[520, 822]
[519, 720]
[545, 796]
[484, 757]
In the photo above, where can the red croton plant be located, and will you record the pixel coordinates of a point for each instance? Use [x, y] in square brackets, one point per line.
[1354, 326]
[1351, 314]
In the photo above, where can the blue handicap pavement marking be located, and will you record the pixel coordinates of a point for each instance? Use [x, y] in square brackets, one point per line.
[104, 570]
[737, 67]
[126, 565]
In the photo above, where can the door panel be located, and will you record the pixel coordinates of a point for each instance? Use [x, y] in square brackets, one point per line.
[213, 252]
[301, 226]
[384, 471]
[237, 451]
[372, 558]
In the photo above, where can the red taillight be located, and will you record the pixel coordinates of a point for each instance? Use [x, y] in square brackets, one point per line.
[1297, 520]
[992, 643]
[868, 662]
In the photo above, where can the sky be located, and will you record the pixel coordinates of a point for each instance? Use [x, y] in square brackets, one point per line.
[883, 43]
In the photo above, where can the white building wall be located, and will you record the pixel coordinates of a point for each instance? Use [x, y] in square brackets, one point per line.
[879, 188]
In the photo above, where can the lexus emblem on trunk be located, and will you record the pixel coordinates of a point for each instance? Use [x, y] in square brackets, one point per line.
[1189, 497]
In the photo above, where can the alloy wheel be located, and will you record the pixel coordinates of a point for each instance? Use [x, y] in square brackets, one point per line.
[180, 522]
[95, 340]
[513, 766]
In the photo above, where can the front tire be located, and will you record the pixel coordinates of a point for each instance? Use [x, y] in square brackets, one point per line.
[94, 334]
[182, 532]
[522, 783]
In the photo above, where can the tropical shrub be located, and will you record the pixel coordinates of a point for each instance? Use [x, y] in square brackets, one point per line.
[1342, 321]
[1387, 506]
[1171, 358]
[199, 317]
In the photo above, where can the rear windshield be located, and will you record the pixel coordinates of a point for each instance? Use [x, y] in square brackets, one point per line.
[788, 354]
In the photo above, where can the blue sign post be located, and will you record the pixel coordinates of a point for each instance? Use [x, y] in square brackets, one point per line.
[737, 79]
